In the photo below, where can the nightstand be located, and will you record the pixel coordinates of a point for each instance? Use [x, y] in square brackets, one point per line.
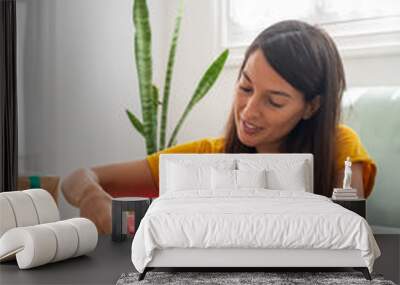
[123, 206]
[358, 206]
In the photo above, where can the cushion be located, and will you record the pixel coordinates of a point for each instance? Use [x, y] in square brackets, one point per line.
[7, 216]
[288, 179]
[23, 208]
[181, 177]
[185, 175]
[44, 243]
[223, 179]
[280, 175]
[228, 179]
[27, 208]
[251, 178]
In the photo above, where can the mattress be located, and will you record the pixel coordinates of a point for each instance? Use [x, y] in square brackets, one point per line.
[250, 219]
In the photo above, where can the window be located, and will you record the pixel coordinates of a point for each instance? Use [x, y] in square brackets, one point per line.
[359, 27]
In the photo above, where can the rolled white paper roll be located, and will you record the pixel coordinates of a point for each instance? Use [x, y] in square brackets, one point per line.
[7, 217]
[40, 244]
[87, 235]
[45, 205]
[67, 239]
[23, 208]
[33, 246]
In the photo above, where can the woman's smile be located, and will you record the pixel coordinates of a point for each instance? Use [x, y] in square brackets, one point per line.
[249, 128]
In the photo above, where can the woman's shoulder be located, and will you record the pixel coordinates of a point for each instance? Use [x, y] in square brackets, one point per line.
[346, 133]
[204, 145]
[349, 144]
[212, 145]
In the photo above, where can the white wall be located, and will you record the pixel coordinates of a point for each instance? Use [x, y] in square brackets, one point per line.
[78, 77]
[198, 46]
[373, 70]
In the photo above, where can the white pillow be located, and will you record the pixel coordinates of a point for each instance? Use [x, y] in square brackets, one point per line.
[287, 179]
[236, 179]
[223, 179]
[280, 175]
[184, 175]
[251, 178]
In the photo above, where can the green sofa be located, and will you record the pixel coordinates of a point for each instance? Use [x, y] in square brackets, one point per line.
[374, 113]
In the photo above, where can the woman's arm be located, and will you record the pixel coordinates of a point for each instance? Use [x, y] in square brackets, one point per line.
[89, 189]
[356, 178]
[133, 178]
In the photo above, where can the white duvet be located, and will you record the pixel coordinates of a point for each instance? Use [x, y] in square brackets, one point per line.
[250, 218]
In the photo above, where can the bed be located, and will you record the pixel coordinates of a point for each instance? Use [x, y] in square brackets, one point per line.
[245, 211]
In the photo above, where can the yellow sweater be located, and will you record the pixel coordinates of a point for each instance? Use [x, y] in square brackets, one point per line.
[348, 142]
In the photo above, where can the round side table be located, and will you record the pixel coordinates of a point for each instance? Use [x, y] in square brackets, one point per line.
[120, 207]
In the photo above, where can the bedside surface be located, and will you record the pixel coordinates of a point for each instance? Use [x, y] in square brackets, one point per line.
[358, 206]
[104, 265]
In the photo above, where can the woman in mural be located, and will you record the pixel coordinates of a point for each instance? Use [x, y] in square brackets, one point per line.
[287, 100]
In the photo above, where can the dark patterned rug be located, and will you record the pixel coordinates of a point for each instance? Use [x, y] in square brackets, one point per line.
[228, 278]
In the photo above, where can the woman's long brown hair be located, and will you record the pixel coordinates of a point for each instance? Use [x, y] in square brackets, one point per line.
[307, 58]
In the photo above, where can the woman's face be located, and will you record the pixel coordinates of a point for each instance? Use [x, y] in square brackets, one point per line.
[266, 106]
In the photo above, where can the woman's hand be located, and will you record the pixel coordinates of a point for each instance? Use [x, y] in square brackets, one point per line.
[89, 188]
[96, 206]
[82, 190]
[75, 185]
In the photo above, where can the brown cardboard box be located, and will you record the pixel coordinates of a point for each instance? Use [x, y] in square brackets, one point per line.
[49, 183]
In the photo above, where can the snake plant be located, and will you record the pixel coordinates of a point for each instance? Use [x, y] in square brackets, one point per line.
[149, 94]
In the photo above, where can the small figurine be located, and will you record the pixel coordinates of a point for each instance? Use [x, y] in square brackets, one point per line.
[347, 174]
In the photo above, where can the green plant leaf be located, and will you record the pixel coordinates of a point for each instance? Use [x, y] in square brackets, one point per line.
[135, 122]
[144, 71]
[155, 114]
[168, 75]
[204, 85]
[209, 77]
[156, 102]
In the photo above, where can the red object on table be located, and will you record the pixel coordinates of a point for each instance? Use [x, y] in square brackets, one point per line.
[131, 223]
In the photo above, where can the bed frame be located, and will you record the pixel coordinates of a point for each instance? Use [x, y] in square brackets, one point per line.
[242, 259]
[247, 259]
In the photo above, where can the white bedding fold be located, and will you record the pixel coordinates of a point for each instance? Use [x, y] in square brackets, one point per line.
[250, 218]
